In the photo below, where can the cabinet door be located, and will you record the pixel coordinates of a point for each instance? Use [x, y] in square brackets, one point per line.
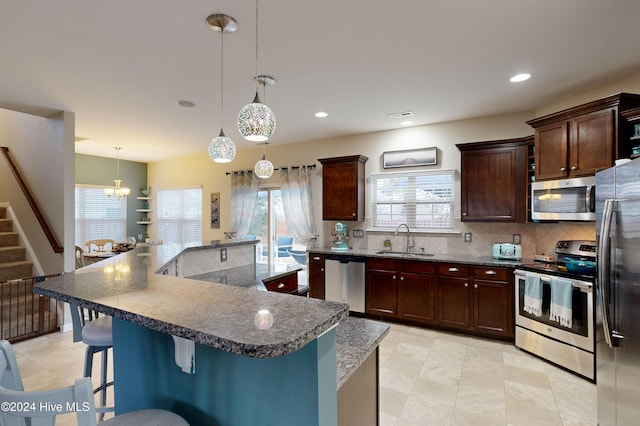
[494, 184]
[316, 275]
[417, 295]
[382, 292]
[551, 144]
[492, 308]
[591, 146]
[454, 297]
[340, 191]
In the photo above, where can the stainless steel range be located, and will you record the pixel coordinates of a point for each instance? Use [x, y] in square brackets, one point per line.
[570, 345]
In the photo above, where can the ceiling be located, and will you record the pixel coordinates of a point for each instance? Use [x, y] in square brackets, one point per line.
[121, 65]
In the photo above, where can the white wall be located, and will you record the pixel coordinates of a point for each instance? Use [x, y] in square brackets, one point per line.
[43, 148]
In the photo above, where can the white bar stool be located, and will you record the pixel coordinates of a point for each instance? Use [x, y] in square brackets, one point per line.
[96, 332]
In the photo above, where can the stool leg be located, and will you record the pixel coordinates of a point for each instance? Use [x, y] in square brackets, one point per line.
[88, 361]
[103, 381]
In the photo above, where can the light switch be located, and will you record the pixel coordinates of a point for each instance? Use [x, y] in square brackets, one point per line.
[223, 255]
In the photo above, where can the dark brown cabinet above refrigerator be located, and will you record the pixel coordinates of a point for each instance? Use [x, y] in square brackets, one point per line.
[343, 187]
[581, 140]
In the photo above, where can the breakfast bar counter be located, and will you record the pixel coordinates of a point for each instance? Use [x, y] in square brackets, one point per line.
[250, 348]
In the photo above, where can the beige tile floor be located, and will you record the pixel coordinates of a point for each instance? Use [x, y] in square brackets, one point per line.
[427, 378]
[435, 378]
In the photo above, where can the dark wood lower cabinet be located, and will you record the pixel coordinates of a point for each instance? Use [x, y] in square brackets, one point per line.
[454, 301]
[382, 288]
[417, 297]
[473, 299]
[315, 275]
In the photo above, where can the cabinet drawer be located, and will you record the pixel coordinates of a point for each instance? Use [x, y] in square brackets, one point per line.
[493, 274]
[315, 258]
[287, 284]
[417, 266]
[453, 270]
[377, 263]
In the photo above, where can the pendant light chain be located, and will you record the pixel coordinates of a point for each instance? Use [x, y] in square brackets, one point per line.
[222, 79]
[256, 79]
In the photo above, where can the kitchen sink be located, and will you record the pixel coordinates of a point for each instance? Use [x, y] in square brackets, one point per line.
[404, 253]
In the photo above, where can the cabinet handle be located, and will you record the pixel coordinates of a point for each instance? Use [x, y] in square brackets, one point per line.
[281, 285]
[490, 272]
[466, 284]
[475, 286]
[464, 213]
[401, 278]
[316, 257]
[574, 168]
[453, 269]
[321, 269]
[394, 277]
[562, 169]
[353, 214]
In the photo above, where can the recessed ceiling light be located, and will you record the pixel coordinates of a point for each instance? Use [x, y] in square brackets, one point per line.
[406, 123]
[321, 114]
[520, 77]
[186, 104]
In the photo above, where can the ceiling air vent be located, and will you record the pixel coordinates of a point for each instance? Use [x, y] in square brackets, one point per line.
[400, 114]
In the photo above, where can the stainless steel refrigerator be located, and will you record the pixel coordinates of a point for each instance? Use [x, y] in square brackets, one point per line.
[618, 294]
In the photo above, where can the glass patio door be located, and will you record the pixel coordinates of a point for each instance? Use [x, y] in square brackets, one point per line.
[270, 227]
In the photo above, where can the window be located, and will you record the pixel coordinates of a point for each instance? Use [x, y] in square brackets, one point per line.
[180, 216]
[98, 216]
[423, 200]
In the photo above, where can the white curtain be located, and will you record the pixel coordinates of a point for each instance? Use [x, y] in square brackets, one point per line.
[244, 192]
[295, 186]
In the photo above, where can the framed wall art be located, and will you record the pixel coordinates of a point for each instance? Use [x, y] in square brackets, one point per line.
[410, 157]
[215, 210]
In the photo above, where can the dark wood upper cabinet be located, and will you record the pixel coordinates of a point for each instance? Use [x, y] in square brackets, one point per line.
[494, 180]
[343, 187]
[580, 141]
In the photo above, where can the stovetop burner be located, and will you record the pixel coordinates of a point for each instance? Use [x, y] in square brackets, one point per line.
[552, 269]
[565, 250]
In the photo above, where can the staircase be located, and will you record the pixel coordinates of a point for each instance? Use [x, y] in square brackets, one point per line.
[13, 264]
[23, 314]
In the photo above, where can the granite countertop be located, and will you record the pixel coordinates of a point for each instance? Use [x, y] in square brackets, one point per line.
[249, 276]
[452, 258]
[356, 339]
[212, 314]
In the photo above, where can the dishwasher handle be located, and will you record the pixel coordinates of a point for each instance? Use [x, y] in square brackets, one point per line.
[344, 258]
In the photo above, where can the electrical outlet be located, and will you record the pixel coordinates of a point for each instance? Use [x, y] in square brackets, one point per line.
[223, 255]
[467, 237]
[516, 238]
[358, 233]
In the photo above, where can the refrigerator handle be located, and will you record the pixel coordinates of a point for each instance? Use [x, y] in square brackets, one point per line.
[604, 269]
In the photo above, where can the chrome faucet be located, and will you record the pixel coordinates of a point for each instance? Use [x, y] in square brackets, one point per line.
[409, 245]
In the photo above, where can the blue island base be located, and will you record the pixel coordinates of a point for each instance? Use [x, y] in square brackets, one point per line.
[226, 388]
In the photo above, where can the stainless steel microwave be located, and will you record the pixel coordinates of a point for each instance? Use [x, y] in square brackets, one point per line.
[564, 199]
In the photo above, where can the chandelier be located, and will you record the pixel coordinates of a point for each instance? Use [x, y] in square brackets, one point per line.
[221, 148]
[119, 191]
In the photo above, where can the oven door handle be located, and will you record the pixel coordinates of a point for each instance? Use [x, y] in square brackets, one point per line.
[604, 272]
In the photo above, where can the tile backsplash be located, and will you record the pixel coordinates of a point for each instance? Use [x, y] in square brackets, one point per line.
[536, 238]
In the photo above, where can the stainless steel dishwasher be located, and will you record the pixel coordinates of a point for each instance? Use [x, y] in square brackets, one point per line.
[344, 280]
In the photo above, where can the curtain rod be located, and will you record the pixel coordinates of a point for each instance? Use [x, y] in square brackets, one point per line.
[309, 166]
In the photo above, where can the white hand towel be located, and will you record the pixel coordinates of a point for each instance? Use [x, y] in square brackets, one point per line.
[561, 309]
[532, 295]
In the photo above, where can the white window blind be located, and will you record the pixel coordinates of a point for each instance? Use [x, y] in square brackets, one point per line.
[98, 216]
[180, 216]
[423, 200]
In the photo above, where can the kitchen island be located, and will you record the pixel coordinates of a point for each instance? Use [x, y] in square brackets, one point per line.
[257, 357]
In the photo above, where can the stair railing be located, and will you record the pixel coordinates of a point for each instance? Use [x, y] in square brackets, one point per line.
[55, 245]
